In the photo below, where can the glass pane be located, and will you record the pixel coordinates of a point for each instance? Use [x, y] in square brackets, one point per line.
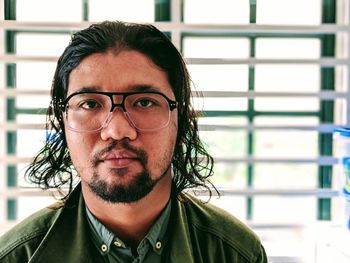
[287, 78]
[296, 12]
[27, 205]
[286, 144]
[33, 102]
[41, 44]
[232, 175]
[21, 181]
[220, 104]
[219, 77]
[288, 48]
[124, 10]
[35, 75]
[31, 118]
[298, 243]
[285, 176]
[236, 205]
[340, 112]
[225, 47]
[225, 144]
[222, 121]
[287, 104]
[286, 121]
[216, 12]
[341, 81]
[292, 210]
[28, 148]
[53, 10]
[339, 209]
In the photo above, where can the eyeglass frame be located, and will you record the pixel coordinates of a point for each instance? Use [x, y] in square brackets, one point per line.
[173, 104]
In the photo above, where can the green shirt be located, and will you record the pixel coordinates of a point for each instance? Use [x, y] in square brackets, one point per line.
[113, 249]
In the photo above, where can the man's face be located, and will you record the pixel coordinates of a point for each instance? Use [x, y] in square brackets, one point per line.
[120, 163]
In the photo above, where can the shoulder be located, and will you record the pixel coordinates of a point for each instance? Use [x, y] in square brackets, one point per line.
[214, 219]
[219, 227]
[21, 241]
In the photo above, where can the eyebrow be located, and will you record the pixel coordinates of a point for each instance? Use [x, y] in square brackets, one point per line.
[130, 88]
[143, 88]
[87, 89]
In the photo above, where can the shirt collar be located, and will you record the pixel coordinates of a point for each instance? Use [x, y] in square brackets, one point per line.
[157, 234]
[103, 238]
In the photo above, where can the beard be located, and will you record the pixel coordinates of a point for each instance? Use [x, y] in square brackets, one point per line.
[141, 185]
[138, 187]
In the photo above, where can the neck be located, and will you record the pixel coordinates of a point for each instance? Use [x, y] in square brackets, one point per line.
[130, 221]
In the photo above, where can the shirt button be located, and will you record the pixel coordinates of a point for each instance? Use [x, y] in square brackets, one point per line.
[158, 245]
[104, 248]
[117, 244]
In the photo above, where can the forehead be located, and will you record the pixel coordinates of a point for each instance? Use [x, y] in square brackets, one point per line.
[120, 72]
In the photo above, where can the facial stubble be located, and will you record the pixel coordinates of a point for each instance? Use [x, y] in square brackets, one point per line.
[140, 185]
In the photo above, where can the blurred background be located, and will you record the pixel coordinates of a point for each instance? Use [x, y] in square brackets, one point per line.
[274, 77]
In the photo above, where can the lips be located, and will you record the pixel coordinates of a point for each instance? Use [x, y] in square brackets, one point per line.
[118, 159]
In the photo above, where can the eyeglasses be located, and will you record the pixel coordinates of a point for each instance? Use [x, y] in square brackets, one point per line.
[91, 111]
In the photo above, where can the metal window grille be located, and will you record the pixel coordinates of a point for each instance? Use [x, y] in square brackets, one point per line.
[273, 92]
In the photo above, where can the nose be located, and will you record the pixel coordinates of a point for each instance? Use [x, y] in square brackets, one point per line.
[118, 127]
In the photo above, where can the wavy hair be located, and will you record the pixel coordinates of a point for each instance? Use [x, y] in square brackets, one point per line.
[192, 165]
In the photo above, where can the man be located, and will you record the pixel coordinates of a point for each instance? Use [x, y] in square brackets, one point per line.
[121, 122]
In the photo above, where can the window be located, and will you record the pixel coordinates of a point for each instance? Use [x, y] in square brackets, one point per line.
[274, 75]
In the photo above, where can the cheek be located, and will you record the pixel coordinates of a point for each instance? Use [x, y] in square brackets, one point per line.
[79, 148]
[172, 135]
[161, 145]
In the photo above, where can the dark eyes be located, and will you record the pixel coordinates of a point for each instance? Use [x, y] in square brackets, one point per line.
[103, 102]
[90, 104]
[145, 103]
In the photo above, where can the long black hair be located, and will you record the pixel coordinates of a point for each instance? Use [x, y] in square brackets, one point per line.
[192, 165]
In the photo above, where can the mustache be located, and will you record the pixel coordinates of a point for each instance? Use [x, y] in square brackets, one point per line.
[140, 154]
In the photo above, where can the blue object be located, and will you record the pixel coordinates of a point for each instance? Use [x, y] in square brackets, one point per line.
[342, 131]
[52, 137]
[346, 172]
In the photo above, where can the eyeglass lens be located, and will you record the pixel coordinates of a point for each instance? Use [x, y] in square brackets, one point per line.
[91, 111]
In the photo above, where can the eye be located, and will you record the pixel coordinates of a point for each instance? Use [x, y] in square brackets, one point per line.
[89, 104]
[145, 103]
